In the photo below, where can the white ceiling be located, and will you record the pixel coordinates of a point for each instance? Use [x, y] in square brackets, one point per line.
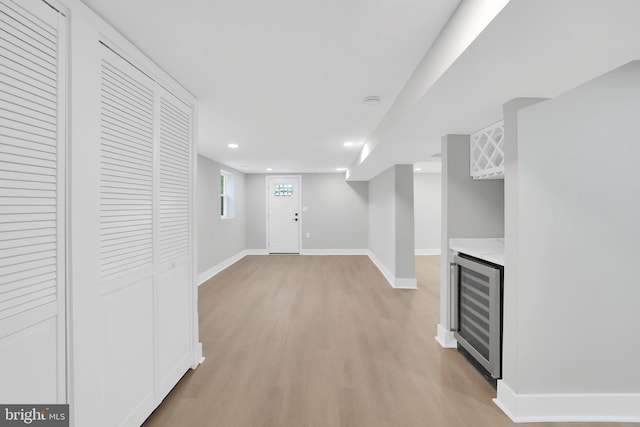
[283, 79]
[532, 48]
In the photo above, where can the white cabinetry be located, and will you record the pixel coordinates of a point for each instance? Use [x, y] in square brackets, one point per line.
[487, 152]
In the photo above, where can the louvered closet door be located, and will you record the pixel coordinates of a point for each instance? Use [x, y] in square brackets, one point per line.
[32, 217]
[174, 227]
[126, 239]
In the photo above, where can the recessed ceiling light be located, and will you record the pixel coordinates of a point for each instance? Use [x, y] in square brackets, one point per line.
[348, 144]
[417, 169]
[341, 169]
[232, 145]
[269, 169]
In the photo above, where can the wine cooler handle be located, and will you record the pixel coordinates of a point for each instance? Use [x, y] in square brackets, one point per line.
[453, 291]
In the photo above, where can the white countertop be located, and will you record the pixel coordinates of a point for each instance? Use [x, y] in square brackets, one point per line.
[489, 249]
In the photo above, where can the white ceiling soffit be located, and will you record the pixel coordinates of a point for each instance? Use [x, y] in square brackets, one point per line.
[283, 79]
[531, 49]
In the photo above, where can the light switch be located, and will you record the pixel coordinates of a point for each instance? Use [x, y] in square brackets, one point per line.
[304, 209]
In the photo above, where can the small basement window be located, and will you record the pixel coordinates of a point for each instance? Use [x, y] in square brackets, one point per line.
[226, 195]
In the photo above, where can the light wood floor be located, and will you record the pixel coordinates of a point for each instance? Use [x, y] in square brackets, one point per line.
[325, 341]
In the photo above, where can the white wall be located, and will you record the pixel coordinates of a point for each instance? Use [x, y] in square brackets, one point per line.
[428, 206]
[218, 239]
[569, 350]
[579, 228]
[336, 213]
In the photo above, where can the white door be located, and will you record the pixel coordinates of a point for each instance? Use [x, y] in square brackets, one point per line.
[283, 214]
[32, 201]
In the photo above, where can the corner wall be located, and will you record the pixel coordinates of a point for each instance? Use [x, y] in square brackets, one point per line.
[391, 225]
[428, 210]
[220, 241]
[577, 294]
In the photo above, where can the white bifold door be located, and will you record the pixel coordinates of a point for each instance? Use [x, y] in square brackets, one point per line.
[145, 232]
[32, 203]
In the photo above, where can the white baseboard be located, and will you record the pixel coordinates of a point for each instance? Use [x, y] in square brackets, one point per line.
[445, 337]
[405, 284]
[334, 252]
[393, 281]
[198, 358]
[569, 407]
[432, 251]
[256, 252]
[203, 277]
[384, 270]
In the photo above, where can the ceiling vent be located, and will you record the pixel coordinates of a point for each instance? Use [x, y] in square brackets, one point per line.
[371, 101]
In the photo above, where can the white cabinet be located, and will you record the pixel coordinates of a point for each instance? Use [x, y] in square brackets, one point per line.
[487, 152]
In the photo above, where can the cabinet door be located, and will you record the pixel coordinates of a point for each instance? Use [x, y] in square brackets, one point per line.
[32, 216]
[175, 287]
[126, 239]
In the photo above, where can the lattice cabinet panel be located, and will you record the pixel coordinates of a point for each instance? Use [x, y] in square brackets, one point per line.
[487, 152]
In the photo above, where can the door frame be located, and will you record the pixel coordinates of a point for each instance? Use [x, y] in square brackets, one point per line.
[267, 178]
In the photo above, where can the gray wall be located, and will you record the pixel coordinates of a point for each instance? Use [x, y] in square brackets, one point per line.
[336, 213]
[256, 218]
[405, 234]
[391, 217]
[578, 243]
[428, 206]
[470, 208]
[218, 239]
[382, 218]
[510, 296]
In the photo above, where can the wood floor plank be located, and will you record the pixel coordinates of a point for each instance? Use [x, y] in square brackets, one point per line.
[325, 341]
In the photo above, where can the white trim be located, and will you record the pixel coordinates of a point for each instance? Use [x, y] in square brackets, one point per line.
[334, 252]
[405, 284]
[568, 407]
[383, 269]
[198, 358]
[430, 251]
[208, 274]
[445, 338]
[393, 281]
[255, 252]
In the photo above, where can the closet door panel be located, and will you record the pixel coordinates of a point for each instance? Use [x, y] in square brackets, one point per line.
[32, 216]
[129, 354]
[127, 239]
[174, 240]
